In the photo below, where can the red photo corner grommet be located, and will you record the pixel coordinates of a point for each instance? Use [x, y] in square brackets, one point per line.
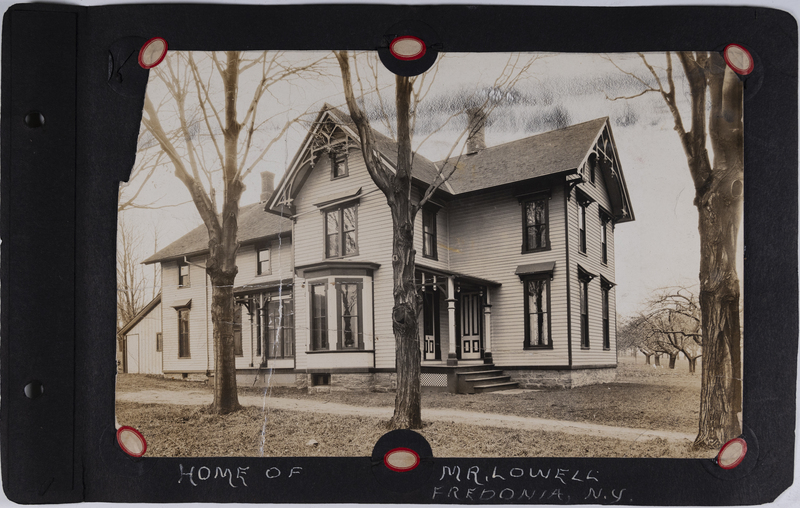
[732, 453]
[152, 52]
[131, 441]
[738, 59]
[407, 47]
[401, 459]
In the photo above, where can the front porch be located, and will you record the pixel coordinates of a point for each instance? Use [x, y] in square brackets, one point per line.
[456, 324]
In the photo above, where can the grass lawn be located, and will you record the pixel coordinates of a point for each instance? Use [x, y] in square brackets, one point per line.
[192, 431]
[642, 397]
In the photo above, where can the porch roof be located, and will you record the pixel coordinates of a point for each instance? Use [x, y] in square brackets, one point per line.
[260, 286]
[459, 276]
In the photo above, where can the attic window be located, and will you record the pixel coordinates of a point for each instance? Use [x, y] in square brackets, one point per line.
[339, 167]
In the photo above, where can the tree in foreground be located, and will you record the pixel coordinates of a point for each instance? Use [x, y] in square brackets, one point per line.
[208, 126]
[397, 187]
[716, 105]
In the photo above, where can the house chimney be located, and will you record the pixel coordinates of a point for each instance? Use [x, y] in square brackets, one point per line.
[475, 137]
[267, 185]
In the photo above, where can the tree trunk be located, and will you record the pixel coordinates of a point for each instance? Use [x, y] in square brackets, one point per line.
[647, 359]
[407, 406]
[226, 399]
[658, 360]
[692, 365]
[721, 395]
[672, 359]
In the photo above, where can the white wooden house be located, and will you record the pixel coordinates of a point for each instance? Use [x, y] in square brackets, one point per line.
[515, 260]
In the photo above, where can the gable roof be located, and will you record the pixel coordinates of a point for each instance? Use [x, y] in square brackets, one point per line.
[535, 156]
[254, 224]
[424, 169]
[141, 315]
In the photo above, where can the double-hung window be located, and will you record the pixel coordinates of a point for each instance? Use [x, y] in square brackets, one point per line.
[237, 329]
[537, 311]
[183, 333]
[319, 316]
[340, 232]
[582, 224]
[535, 233]
[183, 275]
[429, 233]
[339, 167]
[605, 292]
[263, 266]
[350, 317]
[606, 329]
[584, 278]
[604, 221]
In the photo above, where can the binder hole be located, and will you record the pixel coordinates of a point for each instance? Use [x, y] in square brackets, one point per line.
[34, 119]
[34, 389]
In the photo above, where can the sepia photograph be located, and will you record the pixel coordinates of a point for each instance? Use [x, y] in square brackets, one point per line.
[512, 254]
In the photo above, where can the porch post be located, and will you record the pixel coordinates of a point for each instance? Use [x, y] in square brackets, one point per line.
[487, 325]
[451, 321]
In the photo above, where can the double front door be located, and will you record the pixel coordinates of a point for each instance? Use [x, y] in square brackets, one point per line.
[471, 325]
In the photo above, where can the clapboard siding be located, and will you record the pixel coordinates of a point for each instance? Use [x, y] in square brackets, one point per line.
[374, 238]
[281, 264]
[486, 241]
[200, 329]
[592, 262]
[442, 258]
[282, 270]
[147, 359]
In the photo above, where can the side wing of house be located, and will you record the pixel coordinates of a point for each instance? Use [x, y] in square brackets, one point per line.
[142, 341]
[595, 207]
[188, 335]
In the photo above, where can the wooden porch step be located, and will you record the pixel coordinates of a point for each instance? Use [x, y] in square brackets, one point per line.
[495, 387]
[480, 373]
[489, 379]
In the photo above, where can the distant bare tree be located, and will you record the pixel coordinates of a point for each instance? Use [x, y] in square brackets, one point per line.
[131, 282]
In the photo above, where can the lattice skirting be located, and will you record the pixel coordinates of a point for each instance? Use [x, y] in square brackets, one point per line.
[433, 379]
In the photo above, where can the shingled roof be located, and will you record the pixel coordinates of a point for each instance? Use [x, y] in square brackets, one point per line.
[540, 155]
[254, 224]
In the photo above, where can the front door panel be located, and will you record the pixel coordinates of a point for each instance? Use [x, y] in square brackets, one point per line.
[471, 326]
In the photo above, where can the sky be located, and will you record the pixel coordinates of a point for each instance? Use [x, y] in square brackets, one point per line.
[545, 91]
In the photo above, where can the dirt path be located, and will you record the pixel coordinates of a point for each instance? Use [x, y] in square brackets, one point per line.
[194, 398]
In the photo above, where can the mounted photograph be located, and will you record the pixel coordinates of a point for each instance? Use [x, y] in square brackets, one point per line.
[512, 254]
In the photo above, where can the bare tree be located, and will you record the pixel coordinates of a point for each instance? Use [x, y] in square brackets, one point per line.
[675, 316]
[397, 187]
[131, 283]
[716, 104]
[199, 112]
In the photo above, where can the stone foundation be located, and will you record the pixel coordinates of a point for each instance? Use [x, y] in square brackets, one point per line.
[561, 378]
[366, 382]
[277, 379]
[196, 377]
